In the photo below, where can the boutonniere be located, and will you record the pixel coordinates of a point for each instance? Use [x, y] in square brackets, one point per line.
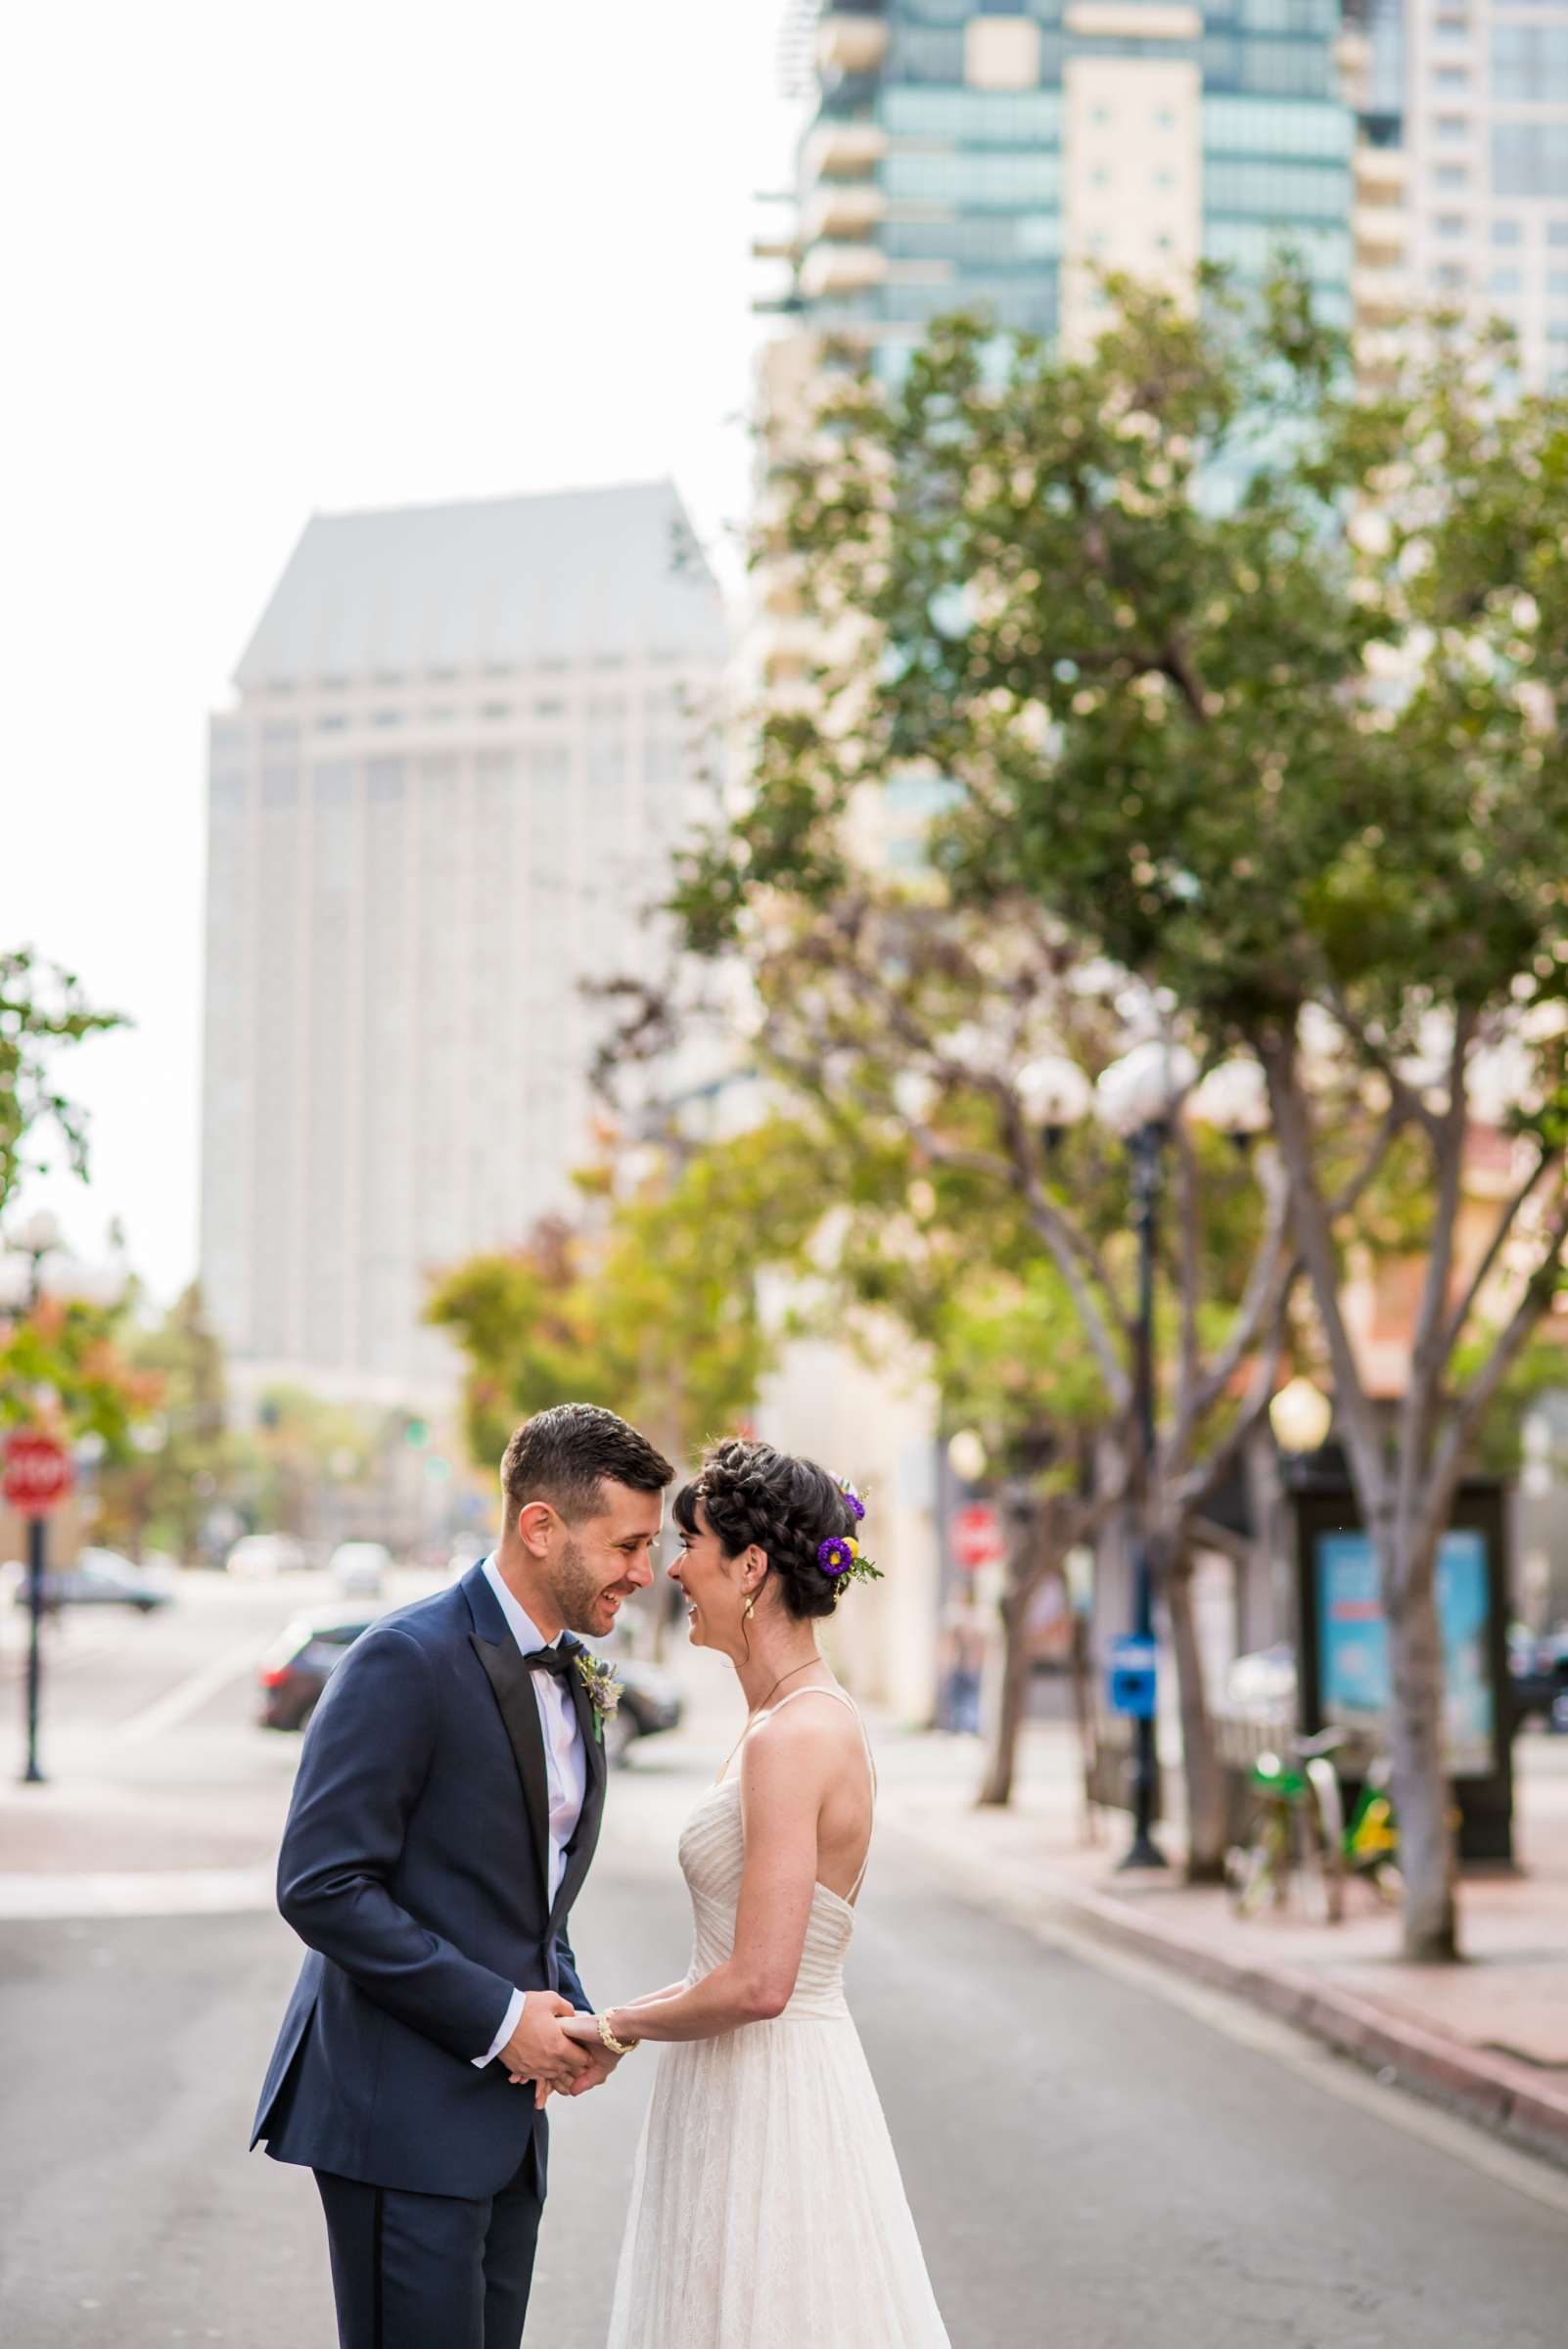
[602, 1687]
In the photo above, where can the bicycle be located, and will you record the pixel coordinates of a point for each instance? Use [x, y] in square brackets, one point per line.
[1299, 1831]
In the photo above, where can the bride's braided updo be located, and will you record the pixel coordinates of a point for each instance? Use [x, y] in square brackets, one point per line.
[749, 1494]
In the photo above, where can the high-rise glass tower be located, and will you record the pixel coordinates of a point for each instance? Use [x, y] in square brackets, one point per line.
[965, 153]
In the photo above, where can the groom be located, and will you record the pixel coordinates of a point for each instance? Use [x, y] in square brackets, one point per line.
[445, 1811]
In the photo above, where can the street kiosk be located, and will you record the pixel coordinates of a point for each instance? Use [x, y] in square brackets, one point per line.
[1343, 1641]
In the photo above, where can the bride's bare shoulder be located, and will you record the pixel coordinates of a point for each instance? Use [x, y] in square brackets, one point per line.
[822, 1726]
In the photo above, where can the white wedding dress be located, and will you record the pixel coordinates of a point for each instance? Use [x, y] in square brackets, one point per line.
[768, 2211]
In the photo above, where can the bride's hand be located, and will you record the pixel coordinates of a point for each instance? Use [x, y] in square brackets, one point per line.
[585, 2027]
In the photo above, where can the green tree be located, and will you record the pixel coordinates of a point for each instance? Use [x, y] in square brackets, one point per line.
[1257, 687]
[184, 1460]
[61, 1346]
[42, 1011]
[68, 1350]
[660, 1312]
[951, 1265]
[976, 1032]
[652, 1308]
[908, 1026]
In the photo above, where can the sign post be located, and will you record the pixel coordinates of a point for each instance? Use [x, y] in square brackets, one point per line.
[1133, 1678]
[977, 1535]
[36, 1478]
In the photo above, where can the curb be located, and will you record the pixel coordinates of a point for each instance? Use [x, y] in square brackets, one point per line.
[1498, 2092]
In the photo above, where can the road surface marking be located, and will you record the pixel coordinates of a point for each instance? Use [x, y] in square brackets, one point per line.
[189, 1695]
[136, 1892]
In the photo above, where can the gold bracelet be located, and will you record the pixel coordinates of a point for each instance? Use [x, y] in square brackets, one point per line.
[616, 2046]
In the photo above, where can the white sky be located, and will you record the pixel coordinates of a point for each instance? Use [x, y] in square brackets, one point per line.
[265, 259]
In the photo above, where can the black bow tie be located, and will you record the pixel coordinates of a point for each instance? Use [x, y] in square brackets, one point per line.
[550, 1659]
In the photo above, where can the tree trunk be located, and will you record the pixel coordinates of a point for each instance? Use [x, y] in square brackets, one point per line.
[1262, 1618]
[1200, 1759]
[1422, 1795]
[998, 1786]
[1037, 1543]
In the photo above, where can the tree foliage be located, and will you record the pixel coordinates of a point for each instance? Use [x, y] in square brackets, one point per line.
[64, 1366]
[160, 1490]
[42, 1010]
[650, 1305]
[1254, 687]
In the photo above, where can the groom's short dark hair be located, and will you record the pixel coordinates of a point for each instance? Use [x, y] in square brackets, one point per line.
[563, 1454]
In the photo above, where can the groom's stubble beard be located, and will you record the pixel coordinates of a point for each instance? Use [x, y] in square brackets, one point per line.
[575, 1593]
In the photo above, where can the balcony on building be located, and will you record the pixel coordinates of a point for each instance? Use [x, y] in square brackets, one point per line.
[852, 37]
[1382, 294]
[1380, 354]
[845, 147]
[834, 268]
[1379, 231]
[846, 209]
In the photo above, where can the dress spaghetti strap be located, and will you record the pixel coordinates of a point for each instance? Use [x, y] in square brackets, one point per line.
[839, 1697]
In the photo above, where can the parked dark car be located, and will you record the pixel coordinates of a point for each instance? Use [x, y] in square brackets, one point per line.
[296, 1669]
[100, 1578]
[1537, 1677]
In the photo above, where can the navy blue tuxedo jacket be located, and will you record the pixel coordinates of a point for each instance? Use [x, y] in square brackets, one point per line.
[415, 1866]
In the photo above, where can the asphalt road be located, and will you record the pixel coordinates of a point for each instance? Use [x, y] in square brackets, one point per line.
[1094, 2161]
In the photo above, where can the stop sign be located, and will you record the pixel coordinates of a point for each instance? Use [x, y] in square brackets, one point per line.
[37, 1472]
[977, 1535]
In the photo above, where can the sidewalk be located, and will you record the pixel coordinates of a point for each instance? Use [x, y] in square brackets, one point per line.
[1489, 2037]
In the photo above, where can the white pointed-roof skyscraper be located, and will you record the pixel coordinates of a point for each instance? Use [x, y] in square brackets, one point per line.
[464, 745]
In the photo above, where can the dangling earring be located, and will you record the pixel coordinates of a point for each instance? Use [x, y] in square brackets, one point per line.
[748, 1610]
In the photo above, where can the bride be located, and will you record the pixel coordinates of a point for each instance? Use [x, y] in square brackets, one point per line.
[766, 2206]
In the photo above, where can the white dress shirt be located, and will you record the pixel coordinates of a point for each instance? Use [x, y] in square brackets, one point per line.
[566, 1768]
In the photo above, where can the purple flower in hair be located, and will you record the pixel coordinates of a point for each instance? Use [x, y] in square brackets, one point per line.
[835, 1557]
[851, 1500]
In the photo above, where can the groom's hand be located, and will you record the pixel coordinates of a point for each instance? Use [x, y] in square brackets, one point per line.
[602, 2062]
[538, 2048]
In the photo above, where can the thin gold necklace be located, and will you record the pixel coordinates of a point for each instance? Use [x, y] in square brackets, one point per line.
[751, 1716]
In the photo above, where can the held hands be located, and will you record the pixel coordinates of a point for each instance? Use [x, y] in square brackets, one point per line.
[583, 2029]
[602, 2062]
[539, 2048]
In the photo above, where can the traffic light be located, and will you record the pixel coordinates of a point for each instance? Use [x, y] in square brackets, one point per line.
[416, 1433]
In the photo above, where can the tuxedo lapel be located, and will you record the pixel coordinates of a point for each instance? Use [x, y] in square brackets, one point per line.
[513, 1685]
[586, 1836]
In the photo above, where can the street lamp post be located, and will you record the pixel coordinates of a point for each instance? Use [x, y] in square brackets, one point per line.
[1137, 1096]
[1140, 1096]
[1146, 1156]
[35, 1246]
[38, 1237]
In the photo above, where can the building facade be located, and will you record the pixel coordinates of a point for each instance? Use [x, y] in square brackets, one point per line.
[1462, 167]
[463, 745]
[965, 154]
